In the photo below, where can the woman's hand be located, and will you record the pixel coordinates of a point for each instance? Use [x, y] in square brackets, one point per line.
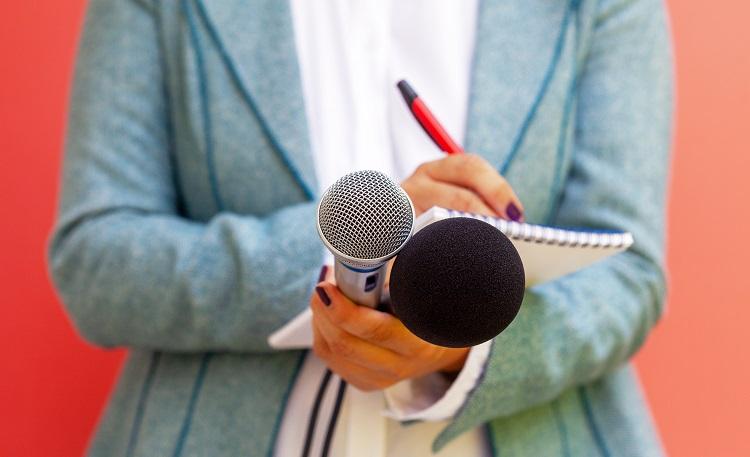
[465, 182]
[370, 349]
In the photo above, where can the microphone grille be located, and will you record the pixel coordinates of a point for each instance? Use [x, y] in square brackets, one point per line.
[365, 215]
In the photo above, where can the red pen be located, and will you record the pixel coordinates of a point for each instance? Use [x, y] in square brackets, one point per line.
[428, 122]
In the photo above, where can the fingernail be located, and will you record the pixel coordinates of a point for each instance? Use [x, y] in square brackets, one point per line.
[513, 212]
[323, 273]
[323, 296]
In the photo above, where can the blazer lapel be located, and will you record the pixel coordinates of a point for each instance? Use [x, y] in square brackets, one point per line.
[514, 57]
[256, 40]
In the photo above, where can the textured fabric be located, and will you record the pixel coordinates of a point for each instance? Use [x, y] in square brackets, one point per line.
[185, 229]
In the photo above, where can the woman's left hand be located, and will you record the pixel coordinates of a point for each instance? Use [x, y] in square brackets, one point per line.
[372, 350]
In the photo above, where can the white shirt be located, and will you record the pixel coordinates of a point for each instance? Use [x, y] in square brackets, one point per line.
[351, 54]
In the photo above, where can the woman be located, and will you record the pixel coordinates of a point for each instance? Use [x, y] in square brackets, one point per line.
[201, 133]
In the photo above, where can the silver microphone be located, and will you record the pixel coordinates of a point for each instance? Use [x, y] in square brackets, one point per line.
[364, 219]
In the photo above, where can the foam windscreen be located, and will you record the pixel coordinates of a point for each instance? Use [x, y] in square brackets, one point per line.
[457, 283]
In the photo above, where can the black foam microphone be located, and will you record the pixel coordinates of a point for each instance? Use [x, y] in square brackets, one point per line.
[457, 283]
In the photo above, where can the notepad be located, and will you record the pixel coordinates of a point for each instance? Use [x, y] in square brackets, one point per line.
[547, 253]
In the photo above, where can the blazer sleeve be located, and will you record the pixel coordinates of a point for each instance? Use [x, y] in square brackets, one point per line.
[130, 270]
[573, 330]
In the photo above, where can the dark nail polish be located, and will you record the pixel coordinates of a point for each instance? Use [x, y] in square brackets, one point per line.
[323, 273]
[323, 296]
[513, 212]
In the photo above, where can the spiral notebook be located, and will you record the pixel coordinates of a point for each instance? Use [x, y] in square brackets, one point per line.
[547, 252]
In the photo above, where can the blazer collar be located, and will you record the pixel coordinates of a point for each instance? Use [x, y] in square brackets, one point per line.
[514, 57]
[256, 40]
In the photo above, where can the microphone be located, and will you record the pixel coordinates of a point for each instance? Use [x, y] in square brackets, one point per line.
[364, 219]
[458, 282]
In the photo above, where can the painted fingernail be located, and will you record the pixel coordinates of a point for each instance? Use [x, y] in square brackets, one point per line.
[323, 273]
[323, 296]
[513, 212]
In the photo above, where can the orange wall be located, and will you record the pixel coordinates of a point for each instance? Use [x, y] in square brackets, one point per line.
[52, 385]
[696, 366]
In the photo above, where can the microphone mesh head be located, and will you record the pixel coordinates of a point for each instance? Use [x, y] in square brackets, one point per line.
[364, 215]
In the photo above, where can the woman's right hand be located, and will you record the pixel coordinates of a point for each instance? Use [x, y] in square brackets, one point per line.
[464, 182]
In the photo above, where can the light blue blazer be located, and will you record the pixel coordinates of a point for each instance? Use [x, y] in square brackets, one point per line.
[186, 224]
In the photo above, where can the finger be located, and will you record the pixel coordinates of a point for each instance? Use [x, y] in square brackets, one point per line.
[475, 173]
[361, 377]
[429, 360]
[345, 345]
[320, 346]
[462, 199]
[388, 268]
[378, 328]
[447, 195]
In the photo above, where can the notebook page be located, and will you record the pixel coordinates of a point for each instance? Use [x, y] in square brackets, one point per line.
[547, 252]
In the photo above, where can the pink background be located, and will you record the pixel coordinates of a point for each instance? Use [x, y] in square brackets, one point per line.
[695, 367]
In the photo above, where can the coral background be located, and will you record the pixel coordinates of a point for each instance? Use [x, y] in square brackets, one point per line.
[695, 367]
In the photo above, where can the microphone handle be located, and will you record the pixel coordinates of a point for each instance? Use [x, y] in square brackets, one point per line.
[363, 286]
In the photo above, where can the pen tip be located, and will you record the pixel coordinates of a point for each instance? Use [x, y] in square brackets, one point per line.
[406, 91]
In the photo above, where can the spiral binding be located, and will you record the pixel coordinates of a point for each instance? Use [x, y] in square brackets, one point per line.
[546, 235]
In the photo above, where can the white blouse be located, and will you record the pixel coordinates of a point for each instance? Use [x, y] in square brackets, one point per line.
[351, 55]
